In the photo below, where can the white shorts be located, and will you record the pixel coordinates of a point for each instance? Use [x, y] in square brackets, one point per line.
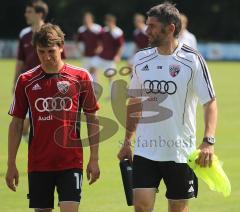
[103, 65]
[88, 62]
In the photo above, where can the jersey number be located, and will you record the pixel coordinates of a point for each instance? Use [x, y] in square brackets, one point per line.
[78, 180]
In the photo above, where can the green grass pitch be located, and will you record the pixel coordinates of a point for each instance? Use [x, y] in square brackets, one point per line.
[107, 194]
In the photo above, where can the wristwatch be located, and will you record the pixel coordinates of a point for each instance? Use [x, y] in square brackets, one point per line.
[209, 140]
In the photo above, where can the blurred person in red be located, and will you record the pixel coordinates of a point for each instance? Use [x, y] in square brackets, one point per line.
[112, 41]
[185, 36]
[140, 37]
[89, 36]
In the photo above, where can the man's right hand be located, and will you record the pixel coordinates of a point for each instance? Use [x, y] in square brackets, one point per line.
[125, 151]
[12, 177]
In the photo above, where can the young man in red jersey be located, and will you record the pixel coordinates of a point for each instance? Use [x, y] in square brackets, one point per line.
[54, 93]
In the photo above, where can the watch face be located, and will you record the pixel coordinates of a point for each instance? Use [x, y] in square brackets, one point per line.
[211, 140]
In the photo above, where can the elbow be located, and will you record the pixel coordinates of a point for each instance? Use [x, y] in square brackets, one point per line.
[16, 125]
[211, 104]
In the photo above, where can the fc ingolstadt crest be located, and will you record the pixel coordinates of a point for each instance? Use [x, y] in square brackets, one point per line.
[63, 86]
[174, 70]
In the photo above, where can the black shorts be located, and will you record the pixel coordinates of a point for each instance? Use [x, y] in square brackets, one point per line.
[42, 186]
[180, 180]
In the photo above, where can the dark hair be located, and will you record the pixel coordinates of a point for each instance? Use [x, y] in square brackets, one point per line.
[167, 13]
[139, 15]
[110, 17]
[48, 35]
[41, 7]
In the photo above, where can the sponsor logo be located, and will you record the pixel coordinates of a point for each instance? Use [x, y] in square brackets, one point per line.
[63, 86]
[152, 99]
[162, 87]
[190, 182]
[36, 87]
[145, 68]
[191, 189]
[174, 70]
[45, 118]
[50, 104]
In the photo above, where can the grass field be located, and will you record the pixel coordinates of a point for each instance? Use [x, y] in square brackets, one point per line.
[107, 194]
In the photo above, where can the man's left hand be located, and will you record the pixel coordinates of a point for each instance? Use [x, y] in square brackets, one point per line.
[93, 171]
[206, 155]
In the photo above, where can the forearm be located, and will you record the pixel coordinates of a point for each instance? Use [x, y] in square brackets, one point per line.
[93, 135]
[119, 52]
[210, 118]
[14, 139]
[133, 117]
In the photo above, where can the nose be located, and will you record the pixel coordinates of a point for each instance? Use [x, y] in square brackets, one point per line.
[46, 56]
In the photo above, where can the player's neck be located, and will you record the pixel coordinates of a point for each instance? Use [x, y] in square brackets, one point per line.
[112, 27]
[89, 25]
[51, 69]
[142, 27]
[168, 48]
[36, 26]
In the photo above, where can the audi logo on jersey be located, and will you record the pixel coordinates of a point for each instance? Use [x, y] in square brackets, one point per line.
[163, 87]
[50, 104]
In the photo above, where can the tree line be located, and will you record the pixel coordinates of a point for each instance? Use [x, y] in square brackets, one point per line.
[208, 20]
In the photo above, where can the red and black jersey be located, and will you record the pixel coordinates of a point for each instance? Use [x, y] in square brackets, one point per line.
[111, 41]
[90, 38]
[26, 52]
[54, 102]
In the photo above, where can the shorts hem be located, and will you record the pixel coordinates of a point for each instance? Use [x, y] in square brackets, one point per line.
[42, 208]
[182, 198]
[70, 201]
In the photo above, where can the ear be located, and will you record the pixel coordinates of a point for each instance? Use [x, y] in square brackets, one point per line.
[61, 48]
[171, 28]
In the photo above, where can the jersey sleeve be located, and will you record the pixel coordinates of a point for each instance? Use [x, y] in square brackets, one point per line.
[120, 40]
[20, 52]
[79, 37]
[19, 106]
[202, 83]
[87, 95]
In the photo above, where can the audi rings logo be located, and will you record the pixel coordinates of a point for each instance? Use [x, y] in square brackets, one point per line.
[53, 104]
[163, 87]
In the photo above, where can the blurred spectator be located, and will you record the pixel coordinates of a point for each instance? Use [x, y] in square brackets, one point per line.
[112, 40]
[185, 36]
[89, 36]
[139, 35]
[140, 38]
